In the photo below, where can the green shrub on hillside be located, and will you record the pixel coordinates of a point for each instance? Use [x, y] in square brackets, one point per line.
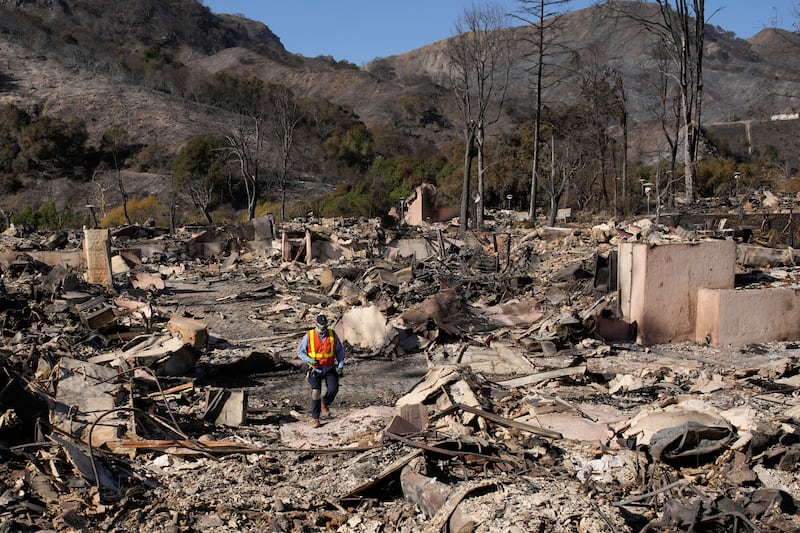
[47, 217]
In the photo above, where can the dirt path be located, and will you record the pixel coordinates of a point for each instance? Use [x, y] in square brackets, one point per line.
[233, 314]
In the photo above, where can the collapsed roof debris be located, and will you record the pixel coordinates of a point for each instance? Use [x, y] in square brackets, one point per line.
[552, 379]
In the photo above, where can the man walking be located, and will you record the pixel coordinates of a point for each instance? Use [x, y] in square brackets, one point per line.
[323, 352]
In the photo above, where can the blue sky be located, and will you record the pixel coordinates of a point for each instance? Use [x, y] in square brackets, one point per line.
[361, 30]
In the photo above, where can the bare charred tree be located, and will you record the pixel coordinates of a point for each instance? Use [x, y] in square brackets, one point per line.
[245, 136]
[286, 117]
[543, 18]
[622, 115]
[680, 28]
[667, 109]
[480, 64]
[115, 140]
[569, 147]
[567, 161]
[97, 197]
[245, 142]
[198, 172]
[603, 104]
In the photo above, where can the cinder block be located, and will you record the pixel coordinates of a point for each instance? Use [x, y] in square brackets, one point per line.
[658, 285]
[226, 407]
[96, 313]
[740, 317]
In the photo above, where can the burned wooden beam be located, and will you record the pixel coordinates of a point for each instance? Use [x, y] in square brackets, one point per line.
[387, 476]
[499, 420]
[190, 446]
[444, 451]
[544, 376]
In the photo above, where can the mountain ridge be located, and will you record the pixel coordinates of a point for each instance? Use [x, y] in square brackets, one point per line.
[68, 58]
[592, 29]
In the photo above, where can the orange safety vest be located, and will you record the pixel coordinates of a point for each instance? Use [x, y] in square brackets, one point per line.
[322, 351]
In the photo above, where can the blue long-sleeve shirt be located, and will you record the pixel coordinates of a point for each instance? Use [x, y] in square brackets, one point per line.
[338, 350]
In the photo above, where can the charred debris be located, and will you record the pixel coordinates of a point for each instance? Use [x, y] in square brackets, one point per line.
[148, 382]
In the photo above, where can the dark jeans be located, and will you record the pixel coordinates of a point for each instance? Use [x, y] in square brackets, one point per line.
[315, 379]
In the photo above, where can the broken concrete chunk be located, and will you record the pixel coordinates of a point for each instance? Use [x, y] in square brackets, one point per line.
[119, 265]
[147, 281]
[192, 332]
[364, 327]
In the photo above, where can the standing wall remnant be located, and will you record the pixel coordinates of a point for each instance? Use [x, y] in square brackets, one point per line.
[421, 206]
[97, 247]
[740, 317]
[658, 285]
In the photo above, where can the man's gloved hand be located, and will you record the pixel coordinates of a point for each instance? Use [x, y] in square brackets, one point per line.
[312, 362]
[340, 372]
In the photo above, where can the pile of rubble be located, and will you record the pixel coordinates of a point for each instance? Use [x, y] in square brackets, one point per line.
[148, 382]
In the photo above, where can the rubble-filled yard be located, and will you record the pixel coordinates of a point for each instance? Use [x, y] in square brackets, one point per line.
[498, 381]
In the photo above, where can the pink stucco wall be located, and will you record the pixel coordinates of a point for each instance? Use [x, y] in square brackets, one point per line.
[658, 285]
[738, 317]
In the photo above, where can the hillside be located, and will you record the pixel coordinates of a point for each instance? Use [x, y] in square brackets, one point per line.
[64, 58]
[744, 80]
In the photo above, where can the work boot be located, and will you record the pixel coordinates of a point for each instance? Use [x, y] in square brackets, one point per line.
[315, 422]
[325, 411]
